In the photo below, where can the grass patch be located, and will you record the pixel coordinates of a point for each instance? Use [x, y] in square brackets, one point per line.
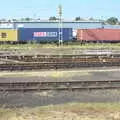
[71, 111]
[49, 49]
[67, 74]
[53, 74]
[77, 46]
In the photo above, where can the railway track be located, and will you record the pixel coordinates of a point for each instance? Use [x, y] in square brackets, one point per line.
[55, 65]
[31, 58]
[59, 85]
[72, 59]
[55, 62]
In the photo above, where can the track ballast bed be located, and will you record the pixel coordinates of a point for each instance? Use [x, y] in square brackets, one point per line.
[59, 85]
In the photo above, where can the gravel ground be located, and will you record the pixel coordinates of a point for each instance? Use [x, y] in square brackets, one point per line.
[34, 99]
[32, 105]
[75, 75]
[71, 111]
[57, 51]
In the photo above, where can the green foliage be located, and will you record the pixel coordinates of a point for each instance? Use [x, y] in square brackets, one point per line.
[27, 19]
[53, 18]
[78, 18]
[14, 19]
[91, 19]
[112, 21]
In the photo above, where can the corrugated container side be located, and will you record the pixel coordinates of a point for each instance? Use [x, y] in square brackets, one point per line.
[8, 35]
[43, 34]
[98, 34]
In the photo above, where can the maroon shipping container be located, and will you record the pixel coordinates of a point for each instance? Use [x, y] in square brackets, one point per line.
[98, 35]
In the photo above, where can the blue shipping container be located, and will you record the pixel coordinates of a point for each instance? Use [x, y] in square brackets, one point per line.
[43, 34]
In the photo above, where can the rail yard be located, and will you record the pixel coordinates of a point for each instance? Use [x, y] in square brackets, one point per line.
[41, 62]
[37, 74]
[59, 63]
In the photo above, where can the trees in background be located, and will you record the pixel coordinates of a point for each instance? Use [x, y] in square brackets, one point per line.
[112, 21]
[53, 18]
[78, 19]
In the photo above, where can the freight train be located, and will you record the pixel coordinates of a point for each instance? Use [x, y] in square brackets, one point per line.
[35, 35]
[38, 35]
[99, 35]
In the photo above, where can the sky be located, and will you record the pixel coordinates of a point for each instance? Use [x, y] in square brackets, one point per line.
[43, 9]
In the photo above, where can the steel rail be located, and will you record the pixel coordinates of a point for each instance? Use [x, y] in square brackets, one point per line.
[59, 85]
[52, 65]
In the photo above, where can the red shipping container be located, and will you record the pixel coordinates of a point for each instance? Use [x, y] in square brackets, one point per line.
[98, 35]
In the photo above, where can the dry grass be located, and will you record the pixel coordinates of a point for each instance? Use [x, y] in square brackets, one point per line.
[52, 49]
[74, 111]
[53, 74]
[34, 46]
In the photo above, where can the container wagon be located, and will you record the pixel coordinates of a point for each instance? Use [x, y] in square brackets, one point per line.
[43, 34]
[98, 35]
[8, 35]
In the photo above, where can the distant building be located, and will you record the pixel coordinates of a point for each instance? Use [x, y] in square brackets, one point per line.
[51, 24]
